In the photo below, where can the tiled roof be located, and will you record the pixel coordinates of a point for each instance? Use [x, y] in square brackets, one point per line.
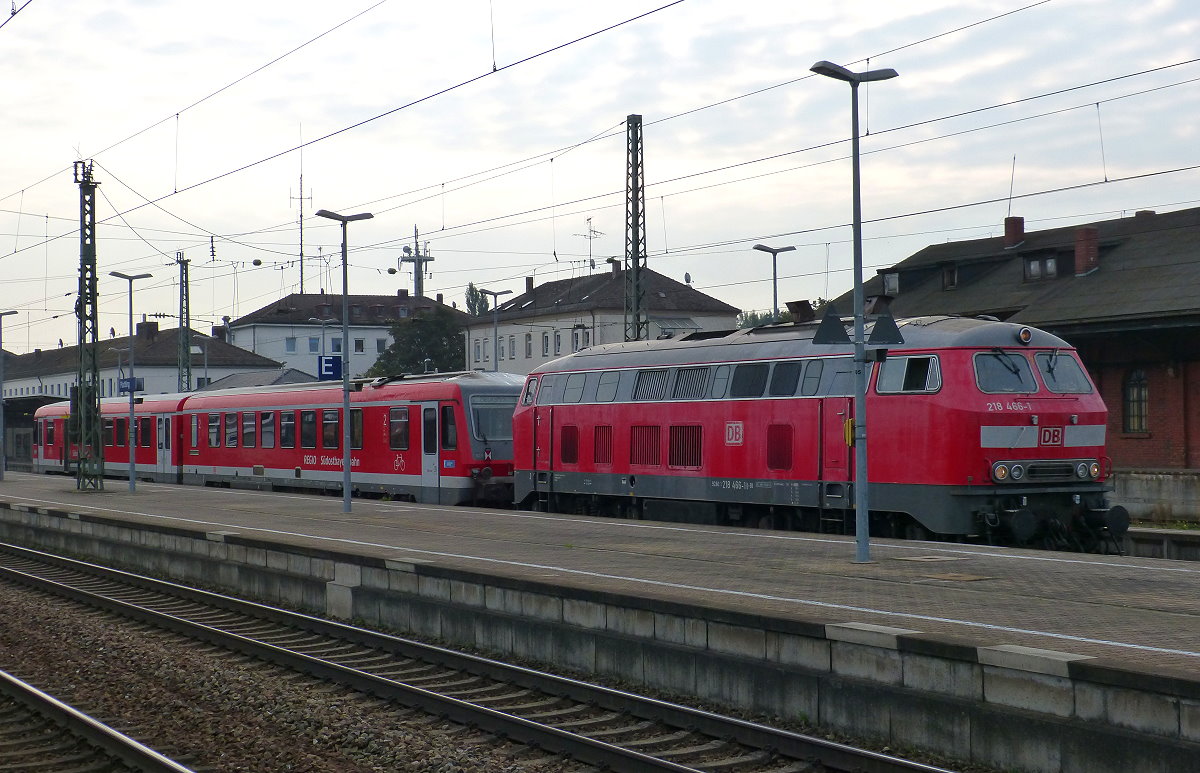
[606, 291]
[256, 378]
[298, 309]
[153, 347]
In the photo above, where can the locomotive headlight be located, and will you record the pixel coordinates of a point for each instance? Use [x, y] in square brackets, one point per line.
[1017, 471]
[1094, 469]
[1081, 470]
[1000, 471]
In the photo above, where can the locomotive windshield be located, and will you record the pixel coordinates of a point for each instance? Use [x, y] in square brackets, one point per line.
[492, 417]
[999, 371]
[1062, 373]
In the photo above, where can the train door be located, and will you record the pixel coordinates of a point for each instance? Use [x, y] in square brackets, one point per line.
[543, 449]
[162, 435]
[431, 480]
[836, 468]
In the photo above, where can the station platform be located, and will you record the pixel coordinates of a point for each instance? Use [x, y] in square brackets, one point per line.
[1123, 623]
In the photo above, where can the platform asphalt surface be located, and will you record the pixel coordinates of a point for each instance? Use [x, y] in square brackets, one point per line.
[1143, 611]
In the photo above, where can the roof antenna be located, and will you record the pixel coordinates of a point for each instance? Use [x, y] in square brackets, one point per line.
[1011, 180]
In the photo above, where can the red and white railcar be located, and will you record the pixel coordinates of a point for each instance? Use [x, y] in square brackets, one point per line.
[441, 438]
[976, 428]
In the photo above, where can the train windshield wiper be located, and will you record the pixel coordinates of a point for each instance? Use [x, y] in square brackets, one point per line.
[1006, 360]
[1053, 361]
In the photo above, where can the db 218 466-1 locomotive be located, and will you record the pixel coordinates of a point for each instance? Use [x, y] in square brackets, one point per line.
[977, 429]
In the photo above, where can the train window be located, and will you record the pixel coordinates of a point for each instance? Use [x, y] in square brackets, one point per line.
[231, 430]
[602, 444]
[398, 429]
[546, 394]
[784, 378]
[37, 433]
[530, 390]
[429, 430]
[449, 429]
[248, 434]
[690, 383]
[841, 379]
[573, 392]
[109, 440]
[812, 377]
[287, 429]
[214, 429]
[308, 429]
[568, 446]
[145, 431]
[491, 417]
[719, 383]
[50, 433]
[644, 442]
[999, 371]
[356, 428]
[122, 430]
[195, 426]
[779, 446]
[909, 375]
[606, 389]
[1062, 373]
[651, 384]
[749, 379]
[331, 426]
[684, 445]
[266, 429]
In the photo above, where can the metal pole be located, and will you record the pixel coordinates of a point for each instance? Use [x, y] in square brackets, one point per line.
[3, 438]
[862, 523]
[132, 389]
[495, 322]
[345, 377]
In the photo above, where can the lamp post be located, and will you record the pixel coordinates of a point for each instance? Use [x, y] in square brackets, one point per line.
[132, 380]
[343, 219]
[3, 444]
[862, 524]
[202, 349]
[774, 276]
[495, 322]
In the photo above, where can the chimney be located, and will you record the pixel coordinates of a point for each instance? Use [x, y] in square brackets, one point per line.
[877, 304]
[616, 265]
[218, 332]
[528, 284]
[439, 300]
[402, 292]
[1014, 231]
[1087, 250]
[147, 330]
[1144, 213]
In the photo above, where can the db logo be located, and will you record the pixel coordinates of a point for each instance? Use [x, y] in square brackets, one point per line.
[1051, 436]
[735, 434]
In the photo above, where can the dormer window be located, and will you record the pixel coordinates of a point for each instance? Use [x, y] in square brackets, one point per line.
[1039, 268]
[949, 277]
[891, 283]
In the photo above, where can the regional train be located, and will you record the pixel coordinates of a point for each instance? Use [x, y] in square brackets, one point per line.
[975, 428]
[437, 438]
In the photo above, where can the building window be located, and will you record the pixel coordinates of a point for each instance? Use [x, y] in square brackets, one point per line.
[335, 345]
[891, 283]
[528, 345]
[1136, 396]
[512, 347]
[380, 345]
[1040, 268]
[557, 342]
[545, 344]
[949, 277]
[314, 344]
[476, 350]
[360, 345]
[289, 344]
[500, 344]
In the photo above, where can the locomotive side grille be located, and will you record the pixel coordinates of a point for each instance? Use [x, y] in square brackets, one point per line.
[1050, 471]
[779, 446]
[602, 444]
[651, 384]
[684, 446]
[689, 383]
[644, 443]
[569, 444]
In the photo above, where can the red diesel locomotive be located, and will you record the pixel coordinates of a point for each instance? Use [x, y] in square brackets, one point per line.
[977, 428]
[438, 438]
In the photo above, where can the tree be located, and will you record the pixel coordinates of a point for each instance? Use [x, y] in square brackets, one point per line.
[477, 302]
[432, 341]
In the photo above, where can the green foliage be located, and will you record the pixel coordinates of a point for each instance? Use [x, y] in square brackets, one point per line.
[477, 302]
[436, 336]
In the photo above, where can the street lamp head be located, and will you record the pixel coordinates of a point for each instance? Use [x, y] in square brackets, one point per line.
[772, 250]
[344, 218]
[6, 313]
[129, 277]
[837, 72]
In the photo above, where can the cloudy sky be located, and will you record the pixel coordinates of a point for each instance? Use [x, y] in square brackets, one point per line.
[497, 129]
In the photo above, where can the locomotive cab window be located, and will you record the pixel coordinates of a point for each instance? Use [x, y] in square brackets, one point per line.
[812, 377]
[1001, 372]
[491, 416]
[899, 375]
[606, 388]
[1062, 373]
[784, 378]
[530, 391]
[573, 392]
[449, 429]
[749, 379]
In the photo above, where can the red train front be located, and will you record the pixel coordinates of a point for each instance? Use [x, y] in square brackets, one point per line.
[442, 438]
[976, 428]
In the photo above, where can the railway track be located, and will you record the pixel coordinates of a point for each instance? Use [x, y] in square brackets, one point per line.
[594, 725]
[40, 733]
